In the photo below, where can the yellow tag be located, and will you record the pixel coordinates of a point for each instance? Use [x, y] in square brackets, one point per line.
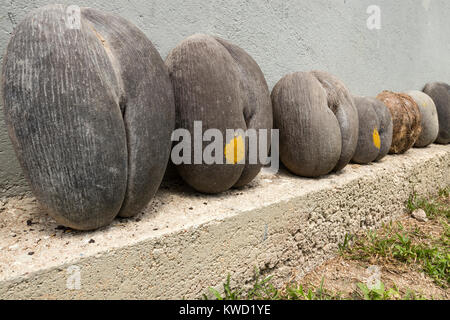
[234, 151]
[424, 102]
[376, 139]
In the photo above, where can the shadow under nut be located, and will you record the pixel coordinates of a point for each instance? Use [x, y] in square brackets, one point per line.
[440, 93]
[406, 120]
[313, 111]
[219, 84]
[71, 114]
[429, 122]
[375, 130]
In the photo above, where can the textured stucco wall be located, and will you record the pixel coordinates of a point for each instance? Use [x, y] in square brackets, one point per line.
[412, 47]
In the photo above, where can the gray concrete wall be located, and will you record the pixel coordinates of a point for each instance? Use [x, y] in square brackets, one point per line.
[411, 48]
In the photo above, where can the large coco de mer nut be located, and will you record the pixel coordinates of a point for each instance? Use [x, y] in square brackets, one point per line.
[440, 93]
[219, 84]
[90, 112]
[318, 123]
[406, 119]
[429, 122]
[375, 130]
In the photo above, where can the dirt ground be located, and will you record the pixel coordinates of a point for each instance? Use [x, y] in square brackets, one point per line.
[342, 274]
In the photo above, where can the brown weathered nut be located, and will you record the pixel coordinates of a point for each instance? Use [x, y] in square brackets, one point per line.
[90, 110]
[406, 119]
[318, 123]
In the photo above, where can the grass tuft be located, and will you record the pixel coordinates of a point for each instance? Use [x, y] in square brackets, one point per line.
[393, 242]
[263, 290]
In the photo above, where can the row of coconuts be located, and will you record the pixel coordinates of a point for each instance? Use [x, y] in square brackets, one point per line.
[90, 112]
[323, 127]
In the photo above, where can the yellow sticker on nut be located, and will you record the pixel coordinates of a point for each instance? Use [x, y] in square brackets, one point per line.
[235, 150]
[376, 139]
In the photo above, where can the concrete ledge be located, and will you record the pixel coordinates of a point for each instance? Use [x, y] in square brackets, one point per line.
[185, 242]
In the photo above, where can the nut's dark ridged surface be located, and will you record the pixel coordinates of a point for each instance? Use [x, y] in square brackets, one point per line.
[90, 128]
[440, 93]
[375, 130]
[318, 123]
[219, 84]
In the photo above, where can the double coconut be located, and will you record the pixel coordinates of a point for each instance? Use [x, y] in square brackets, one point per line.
[440, 93]
[318, 123]
[90, 112]
[375, 130]
[219, 86]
